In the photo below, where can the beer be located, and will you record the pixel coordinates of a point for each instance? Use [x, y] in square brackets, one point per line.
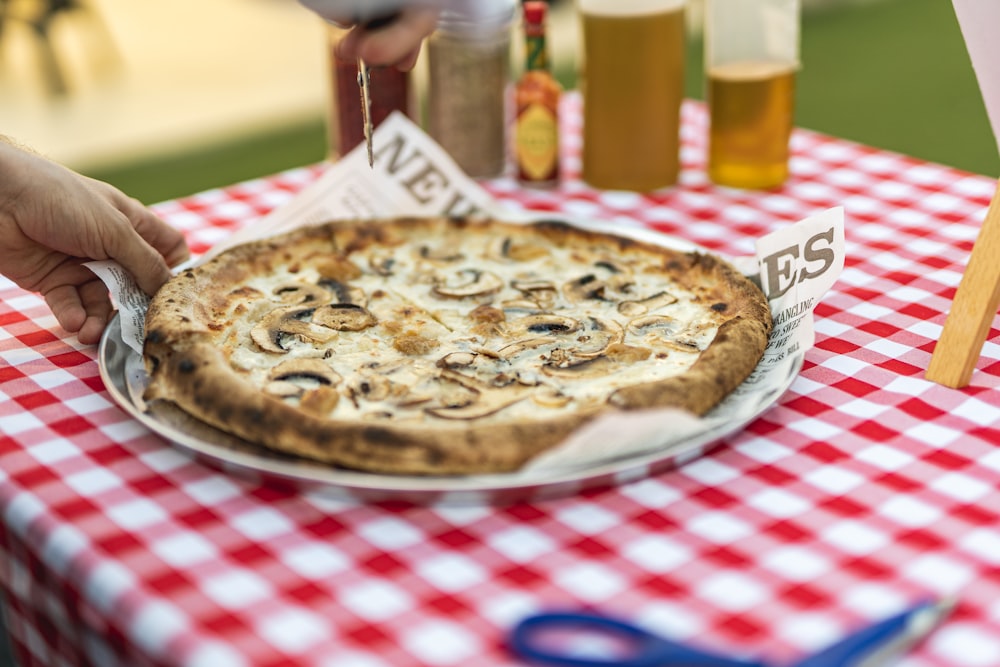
[751, 108]
[633, 83]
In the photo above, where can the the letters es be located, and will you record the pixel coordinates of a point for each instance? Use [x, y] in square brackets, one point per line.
[781, 267]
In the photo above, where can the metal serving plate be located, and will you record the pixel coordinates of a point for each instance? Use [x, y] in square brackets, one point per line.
[125, 377]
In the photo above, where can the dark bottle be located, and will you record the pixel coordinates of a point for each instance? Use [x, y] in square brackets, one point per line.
[390, 91]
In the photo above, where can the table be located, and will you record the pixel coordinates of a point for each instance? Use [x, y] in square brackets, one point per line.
[864, 489]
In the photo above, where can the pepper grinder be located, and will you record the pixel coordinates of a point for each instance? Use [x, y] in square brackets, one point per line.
[468, 60]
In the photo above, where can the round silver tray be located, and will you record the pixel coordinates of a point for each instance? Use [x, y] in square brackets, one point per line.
[125, 377]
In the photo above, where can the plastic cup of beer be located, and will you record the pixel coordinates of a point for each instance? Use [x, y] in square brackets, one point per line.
[632, 79]
[751, 58]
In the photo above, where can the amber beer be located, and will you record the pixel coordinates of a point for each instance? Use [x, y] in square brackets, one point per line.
[632, 83]
[752, 109]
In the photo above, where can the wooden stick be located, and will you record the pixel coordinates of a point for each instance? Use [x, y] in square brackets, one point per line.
[973, 309]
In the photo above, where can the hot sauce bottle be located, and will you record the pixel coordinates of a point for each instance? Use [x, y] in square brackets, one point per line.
[537, 93]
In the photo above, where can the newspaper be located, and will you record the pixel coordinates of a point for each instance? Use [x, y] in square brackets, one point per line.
[795, 267]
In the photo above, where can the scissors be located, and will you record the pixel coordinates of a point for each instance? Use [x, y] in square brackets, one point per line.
[571, 639]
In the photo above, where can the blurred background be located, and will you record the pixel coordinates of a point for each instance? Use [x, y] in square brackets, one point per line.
[165, 98]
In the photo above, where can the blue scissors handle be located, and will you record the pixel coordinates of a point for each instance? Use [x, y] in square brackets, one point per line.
[642, 648]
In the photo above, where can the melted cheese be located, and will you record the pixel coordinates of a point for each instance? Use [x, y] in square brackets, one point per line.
[542, 355]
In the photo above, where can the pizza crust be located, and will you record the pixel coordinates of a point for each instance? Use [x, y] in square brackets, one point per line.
[451, 324]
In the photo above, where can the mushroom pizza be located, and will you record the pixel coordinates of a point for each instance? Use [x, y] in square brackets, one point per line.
[446, 346]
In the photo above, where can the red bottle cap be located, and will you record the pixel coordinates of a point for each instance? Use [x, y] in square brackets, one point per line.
[534, 11]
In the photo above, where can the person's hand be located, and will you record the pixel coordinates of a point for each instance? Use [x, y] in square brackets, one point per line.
[396, 43]
[52, 220]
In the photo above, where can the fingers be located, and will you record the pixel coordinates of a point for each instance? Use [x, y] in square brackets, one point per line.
[94, 297]
[396, 44]
[124, 245]
[166, 240]
[409, 61]
[65, 304]
[143, 243]
[81, 309]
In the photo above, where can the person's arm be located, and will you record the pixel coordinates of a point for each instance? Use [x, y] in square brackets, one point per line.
[53, 219]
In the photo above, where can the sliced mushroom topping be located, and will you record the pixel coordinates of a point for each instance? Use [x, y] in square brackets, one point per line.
[550, 397]
[413, 400]
[274, 329]
[502, 379]
[643, 306]
[469, 282]
[506, 249]
[344, 317]
[339, 268]
[284, 389]
[378, 415]
[469, 382]
[514, 349]
[533, 285]
[486, 405]
[383, 265]
[661, 326]
[588, 286]
[600, 334]
[442, 254]
[683, 345]
[547, 323]
[520, 304]
[343, 292]
[527, 378]
[541, 292]
[457, 360]
[498, 249]
[299, 293]
[319, 401]
[311, 369]
[246, 292]
[613, 267]
[478, 398]
[372, 387]
[582, 369]
[452, 395]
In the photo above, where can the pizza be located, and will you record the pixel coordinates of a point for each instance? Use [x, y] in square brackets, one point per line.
[440, 346]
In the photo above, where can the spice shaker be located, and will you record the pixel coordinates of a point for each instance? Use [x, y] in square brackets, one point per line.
[390, 91]
[468, 59]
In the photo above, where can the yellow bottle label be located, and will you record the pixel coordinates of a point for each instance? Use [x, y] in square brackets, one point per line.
[537, 141]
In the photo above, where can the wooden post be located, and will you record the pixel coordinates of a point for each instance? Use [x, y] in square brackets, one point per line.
[973, 309]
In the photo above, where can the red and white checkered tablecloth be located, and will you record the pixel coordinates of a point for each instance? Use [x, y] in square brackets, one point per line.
[864, 489]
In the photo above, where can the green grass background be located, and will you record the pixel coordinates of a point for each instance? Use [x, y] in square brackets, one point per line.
[888, 73]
